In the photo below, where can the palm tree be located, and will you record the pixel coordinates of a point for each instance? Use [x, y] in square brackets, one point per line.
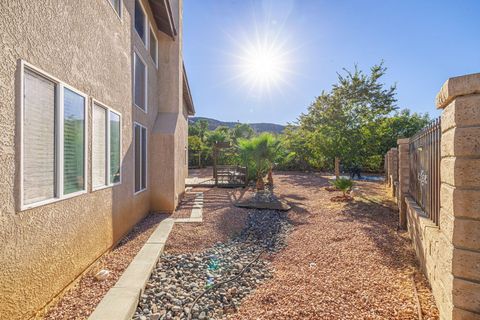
[259, 153]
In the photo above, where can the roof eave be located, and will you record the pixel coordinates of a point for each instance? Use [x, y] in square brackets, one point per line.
[162, 12]
[187, 94]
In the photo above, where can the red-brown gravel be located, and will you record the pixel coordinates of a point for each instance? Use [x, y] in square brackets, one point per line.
[80, 301]
[343, 260]
[221, 220]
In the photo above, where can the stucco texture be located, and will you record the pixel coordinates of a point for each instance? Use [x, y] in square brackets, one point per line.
[87, 46]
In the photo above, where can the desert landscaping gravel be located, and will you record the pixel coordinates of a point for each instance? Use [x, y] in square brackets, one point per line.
[221, 220]
[179, 280]
[338, 260]
[342, 261]
[79, 301]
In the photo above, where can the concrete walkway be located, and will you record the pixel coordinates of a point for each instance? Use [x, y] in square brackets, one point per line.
[122, 299]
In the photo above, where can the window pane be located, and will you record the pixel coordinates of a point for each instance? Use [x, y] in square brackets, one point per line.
[140, 72]
[114, 147]
[116, 5]
[74, 142]
[144, 158]
[38, 139]
[140, 21]
[137, 158]
[99, 147]
[153, 46]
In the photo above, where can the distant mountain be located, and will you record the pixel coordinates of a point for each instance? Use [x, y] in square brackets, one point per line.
[258, 127]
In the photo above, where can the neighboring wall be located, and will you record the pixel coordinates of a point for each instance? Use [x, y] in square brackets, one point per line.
[450, 252]
[86, 45]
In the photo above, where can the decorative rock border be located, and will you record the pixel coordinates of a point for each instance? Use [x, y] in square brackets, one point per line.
[213, 283]
[122, 299]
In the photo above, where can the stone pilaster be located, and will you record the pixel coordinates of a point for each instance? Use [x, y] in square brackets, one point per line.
[393, 171]
[403, 179]
[388, 161]
[460, 190]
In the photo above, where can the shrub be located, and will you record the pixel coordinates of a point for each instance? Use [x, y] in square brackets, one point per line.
[343, 184]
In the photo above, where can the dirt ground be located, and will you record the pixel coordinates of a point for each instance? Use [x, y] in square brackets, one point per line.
[79, 301]
[221, 220]
[343, 260]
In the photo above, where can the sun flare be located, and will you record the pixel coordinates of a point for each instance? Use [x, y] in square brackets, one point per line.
[263, 66]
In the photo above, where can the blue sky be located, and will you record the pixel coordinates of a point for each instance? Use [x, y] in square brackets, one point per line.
[422, 43]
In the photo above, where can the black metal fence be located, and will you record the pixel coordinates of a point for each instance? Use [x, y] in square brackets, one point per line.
[425, 169]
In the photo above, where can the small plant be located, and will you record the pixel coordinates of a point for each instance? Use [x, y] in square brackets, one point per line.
[343, 184]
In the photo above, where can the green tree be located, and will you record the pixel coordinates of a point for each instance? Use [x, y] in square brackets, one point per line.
[196, 146]
[337, 119]
[259, 154]
[242, 130]
[202, 128]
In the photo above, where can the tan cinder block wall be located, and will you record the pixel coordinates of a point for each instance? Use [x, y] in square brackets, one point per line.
[87, 46]
[460, 193]
[403, 179]
[434, 251]
[388, 168]
[450, 253]
[392, 171]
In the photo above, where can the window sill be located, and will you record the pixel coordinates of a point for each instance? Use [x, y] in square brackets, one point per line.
[144, 110]
[138, 192]
[51, 201]
[106, 187]
[140, 38]
[117, 13]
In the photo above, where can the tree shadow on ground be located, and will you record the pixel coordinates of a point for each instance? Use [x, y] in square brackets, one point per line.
[380, 223]
[303, 179]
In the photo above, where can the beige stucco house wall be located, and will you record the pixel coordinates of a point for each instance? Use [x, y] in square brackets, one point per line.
[88, 46]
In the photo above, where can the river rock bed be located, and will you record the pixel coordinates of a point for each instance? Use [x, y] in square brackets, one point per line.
[178, 280]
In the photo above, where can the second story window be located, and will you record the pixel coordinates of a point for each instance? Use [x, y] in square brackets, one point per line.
[153, 46]
[140, 21]
[116, 4]
[140, 82]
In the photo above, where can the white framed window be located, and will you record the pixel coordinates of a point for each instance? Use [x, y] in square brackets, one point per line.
[106, 146]
[153, 46]
[117, 6]
[140, 76]
[140, 145]
[53, 139]
[141, 21]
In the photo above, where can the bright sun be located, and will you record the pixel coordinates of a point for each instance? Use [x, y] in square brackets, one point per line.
[263, 66]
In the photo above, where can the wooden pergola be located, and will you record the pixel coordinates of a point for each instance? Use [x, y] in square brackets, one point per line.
[227, 175]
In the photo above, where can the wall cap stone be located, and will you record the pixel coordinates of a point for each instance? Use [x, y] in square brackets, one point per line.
[403, 141]
[457, 86]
